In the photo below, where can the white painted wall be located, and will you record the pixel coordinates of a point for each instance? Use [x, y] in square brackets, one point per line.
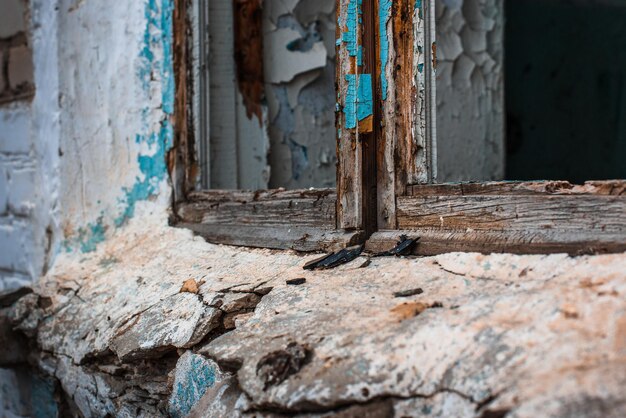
[28, 155]
[84, 154]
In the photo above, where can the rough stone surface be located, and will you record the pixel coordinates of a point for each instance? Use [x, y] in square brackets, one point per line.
[497, 335]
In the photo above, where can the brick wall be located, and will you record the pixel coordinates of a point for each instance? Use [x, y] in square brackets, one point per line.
[18, 162]
[16, 64]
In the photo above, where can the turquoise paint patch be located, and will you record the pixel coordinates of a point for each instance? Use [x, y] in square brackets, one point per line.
[199, 377]
[43, 404]
[352, 23]
[359, 104]
[153, 169]
[384, 12]
[157, 35]
[418, 4]
[87, 238]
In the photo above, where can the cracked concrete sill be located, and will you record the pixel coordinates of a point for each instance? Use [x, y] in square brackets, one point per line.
[159, 323]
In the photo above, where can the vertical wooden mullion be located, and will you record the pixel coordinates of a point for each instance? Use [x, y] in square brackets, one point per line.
[394, 145]
[369, 140]
[407, 140]
[349, 127]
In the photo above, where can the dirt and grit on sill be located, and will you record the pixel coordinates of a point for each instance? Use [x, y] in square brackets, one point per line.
[157, 322]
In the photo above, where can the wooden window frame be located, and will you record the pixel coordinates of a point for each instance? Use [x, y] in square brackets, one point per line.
[386, 170]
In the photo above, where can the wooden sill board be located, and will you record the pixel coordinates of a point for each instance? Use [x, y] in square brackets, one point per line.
[301, 220]
[516, 217]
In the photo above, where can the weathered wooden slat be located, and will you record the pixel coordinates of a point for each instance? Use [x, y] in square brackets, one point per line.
[282, 237]
[434, 241]
[312, 208]
[405, 149]
[602, 214]
[602, 187]
[303, 220]
[354, 112]
[530, 222]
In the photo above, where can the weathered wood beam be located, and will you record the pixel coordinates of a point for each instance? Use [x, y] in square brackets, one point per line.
[523, 217]
[406, 152]
[303, 220]
[600, 187]
[280, 237]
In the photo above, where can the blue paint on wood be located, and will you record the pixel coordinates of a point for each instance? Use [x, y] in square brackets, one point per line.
[359, 104]
[384, 12]
[350, 37]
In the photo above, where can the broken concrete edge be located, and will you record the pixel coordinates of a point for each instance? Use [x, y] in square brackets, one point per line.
[116, 329]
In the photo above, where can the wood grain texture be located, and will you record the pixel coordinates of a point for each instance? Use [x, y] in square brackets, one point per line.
[280, 237]
[524, 217]
[303, 220]
[435, 241]
[313, 208]
[600, 187]
[349, 128]
[404, 150]
[182, 161]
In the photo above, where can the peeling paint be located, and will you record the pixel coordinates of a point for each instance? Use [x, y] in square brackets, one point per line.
[350, 36]
[359, 103]
[384, 14]
[153, 76]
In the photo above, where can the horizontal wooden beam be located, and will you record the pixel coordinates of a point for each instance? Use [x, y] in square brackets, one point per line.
[516, 217]
[302, 220]
[312, 208]
[280, 237]
[604, 187]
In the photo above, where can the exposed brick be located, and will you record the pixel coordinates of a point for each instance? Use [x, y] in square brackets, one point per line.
[20, 67]
[12, 18]
[15, 123]
[21, 191]
[17, 242]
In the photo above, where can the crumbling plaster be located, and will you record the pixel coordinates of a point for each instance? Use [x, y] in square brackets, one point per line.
[110, 331]
[92, 141]
[299, 41]
[123, 332]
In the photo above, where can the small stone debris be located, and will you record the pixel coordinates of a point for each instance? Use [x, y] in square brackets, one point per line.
[407, 293]
[404, 247]
[335, 259]
[275, 367]
[296, 282]
[190, 286]
[366, 263]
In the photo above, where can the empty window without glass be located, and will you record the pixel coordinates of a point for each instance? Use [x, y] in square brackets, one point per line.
[268, 94]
